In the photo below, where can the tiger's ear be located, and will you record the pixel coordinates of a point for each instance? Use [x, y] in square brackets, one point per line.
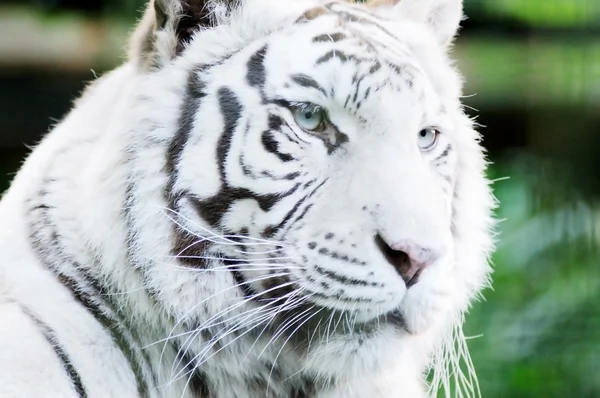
[442, 16]
[167, 27]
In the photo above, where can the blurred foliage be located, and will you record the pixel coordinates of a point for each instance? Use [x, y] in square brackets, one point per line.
[548, 13]
[541, 72]
[539, 329]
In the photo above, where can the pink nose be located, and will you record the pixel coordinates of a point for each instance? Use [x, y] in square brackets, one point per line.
[408, 258]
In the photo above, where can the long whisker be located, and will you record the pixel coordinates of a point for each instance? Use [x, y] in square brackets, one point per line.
[210, 344]
[283, 328]
[169, 337]
[258, 279]
[256, 321]
[295, 293]
[318, 280]
[308, 318]
[227, 238]
[231, 308]
[273, 313]
[329, 331]
[179, 375]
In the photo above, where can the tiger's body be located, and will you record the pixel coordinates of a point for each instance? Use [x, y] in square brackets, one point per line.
[186, 232]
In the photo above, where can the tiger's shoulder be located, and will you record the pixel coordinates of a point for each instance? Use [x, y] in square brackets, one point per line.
[52, 345]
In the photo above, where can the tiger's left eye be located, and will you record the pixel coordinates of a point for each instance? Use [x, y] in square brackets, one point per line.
[310, 118]
[428, 138]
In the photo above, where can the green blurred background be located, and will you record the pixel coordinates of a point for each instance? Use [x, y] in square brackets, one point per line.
[533, 79]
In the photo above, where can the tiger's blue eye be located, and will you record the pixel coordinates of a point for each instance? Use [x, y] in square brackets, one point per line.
[428, 138]
[310, 118]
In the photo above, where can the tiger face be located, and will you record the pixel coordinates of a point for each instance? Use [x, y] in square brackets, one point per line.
[340, 154]
[320, 156]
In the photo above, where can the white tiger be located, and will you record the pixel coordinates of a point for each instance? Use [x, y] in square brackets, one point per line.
[269, 199]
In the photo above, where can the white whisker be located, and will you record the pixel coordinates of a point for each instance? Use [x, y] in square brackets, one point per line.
[227, 238]
[255, 320]
[169, 337]
[310, 316]
[231, 308]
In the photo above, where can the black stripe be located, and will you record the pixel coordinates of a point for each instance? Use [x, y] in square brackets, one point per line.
[332, 54]
[363, 18]
[339, 138]
[111, 325]
[271, 145]
[398, 69]
[329, 38]
[252, 173]
[213, 209]
[198, 381]
[274, 287]
[338, 296]
[257, 75]
[132, 236]
[444, 153]
[357, 81]
[311, 14]
[302, 215]
[272, 230]
[367, 93]
[307, 208]
[231, 110]
[240, 281]
[60, 352]
[185, 246]
[344, 279]
[307, 81]
[347, 101]
[375, 67]
[188, 248]
[343, 57]
[46, 243]
[275, 124]
[195, 92]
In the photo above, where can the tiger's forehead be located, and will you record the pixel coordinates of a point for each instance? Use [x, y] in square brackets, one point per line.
[345, 11]
[352, 35]
[347, 20]
[358, 72]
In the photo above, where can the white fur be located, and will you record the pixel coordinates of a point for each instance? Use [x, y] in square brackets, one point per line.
[113, 144]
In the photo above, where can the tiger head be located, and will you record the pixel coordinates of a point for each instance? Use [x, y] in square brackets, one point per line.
[319, 168]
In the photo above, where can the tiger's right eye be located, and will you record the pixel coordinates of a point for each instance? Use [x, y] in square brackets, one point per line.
[310, 117]
[428, 138]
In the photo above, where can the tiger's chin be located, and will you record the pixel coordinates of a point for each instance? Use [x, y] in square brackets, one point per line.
[334, 337]
[416, 311]
[373, 347]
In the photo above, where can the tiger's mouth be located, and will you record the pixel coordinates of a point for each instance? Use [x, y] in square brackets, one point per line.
[324, 323]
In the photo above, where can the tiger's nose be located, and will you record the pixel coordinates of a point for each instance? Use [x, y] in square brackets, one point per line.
[408, 258]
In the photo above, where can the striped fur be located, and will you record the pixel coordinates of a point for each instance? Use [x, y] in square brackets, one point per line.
[180, 234]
